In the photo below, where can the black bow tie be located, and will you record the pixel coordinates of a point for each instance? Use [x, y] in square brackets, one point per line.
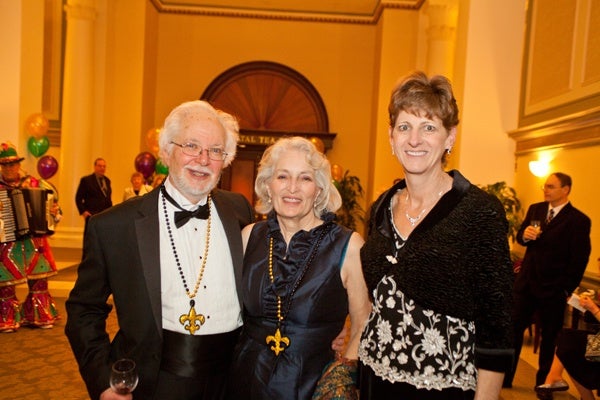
[183, 216]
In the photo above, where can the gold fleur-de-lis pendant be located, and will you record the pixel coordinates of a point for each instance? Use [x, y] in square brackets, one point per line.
[191, 321]
[277, 339]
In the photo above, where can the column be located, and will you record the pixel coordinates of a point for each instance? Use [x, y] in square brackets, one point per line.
[441, 36]
[77, 115]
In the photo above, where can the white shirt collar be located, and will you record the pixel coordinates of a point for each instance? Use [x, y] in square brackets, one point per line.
[557, 208]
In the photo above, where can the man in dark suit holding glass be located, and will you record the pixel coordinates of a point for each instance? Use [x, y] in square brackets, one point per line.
[555, 260]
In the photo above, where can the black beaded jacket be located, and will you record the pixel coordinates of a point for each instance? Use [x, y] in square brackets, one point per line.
[455, 262]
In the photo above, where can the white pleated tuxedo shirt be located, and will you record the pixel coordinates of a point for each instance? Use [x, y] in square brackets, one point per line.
[216, 298]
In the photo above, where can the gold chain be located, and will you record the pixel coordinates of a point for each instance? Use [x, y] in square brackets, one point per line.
[205, 258]
[191, 321]
[279, 316]
[280, 343]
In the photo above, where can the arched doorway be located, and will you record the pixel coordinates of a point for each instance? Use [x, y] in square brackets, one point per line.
[270, 100]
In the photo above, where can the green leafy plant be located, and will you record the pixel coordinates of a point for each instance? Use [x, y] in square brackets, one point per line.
[351, 212]
[512, 206]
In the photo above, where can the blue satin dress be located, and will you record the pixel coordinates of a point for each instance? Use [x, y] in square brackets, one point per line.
[316, 315]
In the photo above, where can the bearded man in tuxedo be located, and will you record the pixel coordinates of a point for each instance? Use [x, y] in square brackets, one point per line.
[172, 261]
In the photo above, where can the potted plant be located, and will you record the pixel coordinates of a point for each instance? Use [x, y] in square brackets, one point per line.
[351, 212]
[512, 206]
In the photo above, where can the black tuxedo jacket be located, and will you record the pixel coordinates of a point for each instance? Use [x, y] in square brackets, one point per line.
[121, 258]
[89, 196]
[554, 263]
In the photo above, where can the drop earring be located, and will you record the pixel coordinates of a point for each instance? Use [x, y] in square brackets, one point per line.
[448, 151]
[316, 200]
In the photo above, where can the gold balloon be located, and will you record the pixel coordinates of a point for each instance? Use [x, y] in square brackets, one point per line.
[152, 140]
[337, 172]
[37, 125]
[318, 144]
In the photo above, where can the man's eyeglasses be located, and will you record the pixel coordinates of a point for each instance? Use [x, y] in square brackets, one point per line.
[193, 150]
[550, 187]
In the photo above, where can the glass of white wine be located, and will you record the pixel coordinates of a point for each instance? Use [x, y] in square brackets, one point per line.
[536, 223]
[123, 377]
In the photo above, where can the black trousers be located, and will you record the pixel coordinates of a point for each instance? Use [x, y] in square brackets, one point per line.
[550, 316]
[173, 387]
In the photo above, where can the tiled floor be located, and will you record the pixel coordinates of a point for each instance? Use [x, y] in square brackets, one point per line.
[525, 378]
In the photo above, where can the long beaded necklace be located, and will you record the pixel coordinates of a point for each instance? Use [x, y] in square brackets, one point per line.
[190, 321]
[277, 339]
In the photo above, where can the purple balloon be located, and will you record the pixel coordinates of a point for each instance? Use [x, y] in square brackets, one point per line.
[47, 167]
[145, 163]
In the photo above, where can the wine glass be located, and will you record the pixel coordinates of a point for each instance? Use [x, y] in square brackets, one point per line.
[536, 223]
[123, 377]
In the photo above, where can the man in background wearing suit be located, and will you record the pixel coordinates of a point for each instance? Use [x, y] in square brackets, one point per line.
[555, 260]
[94, 192]
[172, 261]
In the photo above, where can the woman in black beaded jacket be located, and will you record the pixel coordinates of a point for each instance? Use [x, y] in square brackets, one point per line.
[436, 263]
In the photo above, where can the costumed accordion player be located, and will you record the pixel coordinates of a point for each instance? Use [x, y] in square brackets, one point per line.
[25, 212]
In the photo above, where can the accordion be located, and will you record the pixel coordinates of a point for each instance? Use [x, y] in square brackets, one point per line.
[25, 212]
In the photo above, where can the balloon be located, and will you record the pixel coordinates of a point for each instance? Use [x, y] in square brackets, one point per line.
[161, 168]
[37, 125]
[337, 173]
[145, 163]
[318, 144]
[47, 167]
[38, 147]
[152, 139]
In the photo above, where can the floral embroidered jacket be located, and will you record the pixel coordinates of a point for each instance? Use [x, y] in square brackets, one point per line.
[441, 300]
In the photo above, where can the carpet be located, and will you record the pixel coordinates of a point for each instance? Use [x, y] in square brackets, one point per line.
[37, 364]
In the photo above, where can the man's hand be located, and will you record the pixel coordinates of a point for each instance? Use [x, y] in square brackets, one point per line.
[531, 233]
[110, 394]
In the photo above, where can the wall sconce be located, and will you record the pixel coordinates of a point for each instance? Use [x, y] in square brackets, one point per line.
[539, 168]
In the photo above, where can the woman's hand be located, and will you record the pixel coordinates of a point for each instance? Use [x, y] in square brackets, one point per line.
[589, 304]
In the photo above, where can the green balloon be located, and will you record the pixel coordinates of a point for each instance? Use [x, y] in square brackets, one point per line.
[161, 168]
[38, 147]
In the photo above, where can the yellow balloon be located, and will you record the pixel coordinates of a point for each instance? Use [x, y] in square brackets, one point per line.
[152, 140]
[37, 125]
[318, 144]
[337, 172]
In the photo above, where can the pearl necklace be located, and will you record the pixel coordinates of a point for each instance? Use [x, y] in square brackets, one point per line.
[190, 321]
